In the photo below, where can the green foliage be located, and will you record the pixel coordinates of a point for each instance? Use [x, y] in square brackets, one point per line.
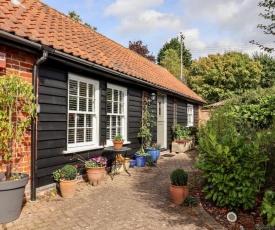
[16, 109]
[147, 123]
[268, 63]
[254, 108]
[268, 207]
[118, 137]
[179, 177]
[190, 201]
[174, 44]
[180, 132]
[232, 160]
[269, 6]
[142, 50]
[73, 15]
[142, 152]
[171, 62]
[68, 172]
[220, 76]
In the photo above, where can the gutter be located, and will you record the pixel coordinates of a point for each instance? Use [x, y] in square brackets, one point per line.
[34, 127]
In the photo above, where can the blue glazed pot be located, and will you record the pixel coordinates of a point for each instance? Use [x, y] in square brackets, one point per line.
[154, 154]
[132, 163]
[140, 160]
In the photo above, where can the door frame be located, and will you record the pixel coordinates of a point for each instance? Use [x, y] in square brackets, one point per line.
[165, 118]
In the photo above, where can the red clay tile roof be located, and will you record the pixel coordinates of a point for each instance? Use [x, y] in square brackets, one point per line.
[42, 24]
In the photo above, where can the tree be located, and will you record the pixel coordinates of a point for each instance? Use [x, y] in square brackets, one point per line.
[175, 45]
[269, 6]
[268, 63]
[141, 49]
[220, 76]
[73, 15]
[171, 62]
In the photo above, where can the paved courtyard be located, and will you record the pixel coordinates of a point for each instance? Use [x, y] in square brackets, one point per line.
[139, 201]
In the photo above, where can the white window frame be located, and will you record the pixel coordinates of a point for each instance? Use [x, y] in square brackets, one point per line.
[190, 115]
[76, 147]
[124, 121]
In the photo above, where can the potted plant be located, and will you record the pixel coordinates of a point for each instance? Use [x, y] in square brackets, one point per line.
[66, 177]
[17, 107]
[145, 133]
[95, 168]
[178, 186]
[183, 140]
[154, 151]
[141, 157]
[118, 142]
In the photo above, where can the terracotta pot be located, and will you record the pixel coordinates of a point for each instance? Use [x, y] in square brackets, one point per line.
[118, 144]
[68, 188]
[95, 175]
[178, 193]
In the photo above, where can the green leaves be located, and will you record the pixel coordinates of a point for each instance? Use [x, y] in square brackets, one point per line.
[268, 207]
[16, 109]
[231, 160]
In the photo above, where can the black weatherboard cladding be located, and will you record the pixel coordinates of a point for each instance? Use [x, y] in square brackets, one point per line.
[52, 124]
[170, 111]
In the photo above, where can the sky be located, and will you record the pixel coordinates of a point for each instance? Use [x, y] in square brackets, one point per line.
[209, 27]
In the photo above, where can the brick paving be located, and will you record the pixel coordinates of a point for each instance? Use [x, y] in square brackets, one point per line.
[139, 201]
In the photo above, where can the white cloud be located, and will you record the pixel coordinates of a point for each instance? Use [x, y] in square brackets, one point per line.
[141, 16]
[149, 21]
[121, 8]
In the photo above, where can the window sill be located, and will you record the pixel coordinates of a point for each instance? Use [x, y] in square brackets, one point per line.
[82, 149]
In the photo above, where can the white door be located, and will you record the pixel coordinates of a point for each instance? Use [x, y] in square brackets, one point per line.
[161, 120]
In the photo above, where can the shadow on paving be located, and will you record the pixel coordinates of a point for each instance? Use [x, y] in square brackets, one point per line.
[152, 185]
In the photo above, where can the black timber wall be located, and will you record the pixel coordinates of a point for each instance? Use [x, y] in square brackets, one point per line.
[52, 119]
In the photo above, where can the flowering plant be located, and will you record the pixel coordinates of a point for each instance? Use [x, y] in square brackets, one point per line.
[96, 162]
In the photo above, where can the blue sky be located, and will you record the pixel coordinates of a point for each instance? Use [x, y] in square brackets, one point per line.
[208, 26]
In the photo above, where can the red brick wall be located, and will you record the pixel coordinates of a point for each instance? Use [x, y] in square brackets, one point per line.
[20, 63]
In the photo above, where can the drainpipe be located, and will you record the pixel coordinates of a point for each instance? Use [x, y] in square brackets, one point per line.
[33, 127]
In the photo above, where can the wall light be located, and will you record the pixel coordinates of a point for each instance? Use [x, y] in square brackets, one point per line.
[153, 96]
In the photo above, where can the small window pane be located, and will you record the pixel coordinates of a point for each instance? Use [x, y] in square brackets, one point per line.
[115, 107]
[109, 94]
[71, 120]
[80, 120]
[80, 135]
[89, 135]
[83, 89]
[109, 107]
[115, 95]
[82, 104]
[89, 119]
[73, 87]
[71, 136]
[73, 103]
[91, 91]
[91, 105]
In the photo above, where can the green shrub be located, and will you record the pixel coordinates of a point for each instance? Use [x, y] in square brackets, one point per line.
[231, 161]
[268, 207]
[68, 172]
[179, 177]
[181, 132]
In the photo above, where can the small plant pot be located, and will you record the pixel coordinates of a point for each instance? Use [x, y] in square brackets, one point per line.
[154, 154]
[68, 188]
[118, 144]
[140, 160]
[132, 163]
[178, 193]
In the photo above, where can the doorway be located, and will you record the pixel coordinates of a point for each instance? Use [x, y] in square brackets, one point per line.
[162, 120]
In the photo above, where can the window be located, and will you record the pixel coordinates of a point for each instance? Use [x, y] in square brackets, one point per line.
[83, 101]
[116, 121]
[190, 115]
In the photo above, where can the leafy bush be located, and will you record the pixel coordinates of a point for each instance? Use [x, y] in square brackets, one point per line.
[179, 177]
[181, 132]
[268, 207]
[231, 160]
[68, 172]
